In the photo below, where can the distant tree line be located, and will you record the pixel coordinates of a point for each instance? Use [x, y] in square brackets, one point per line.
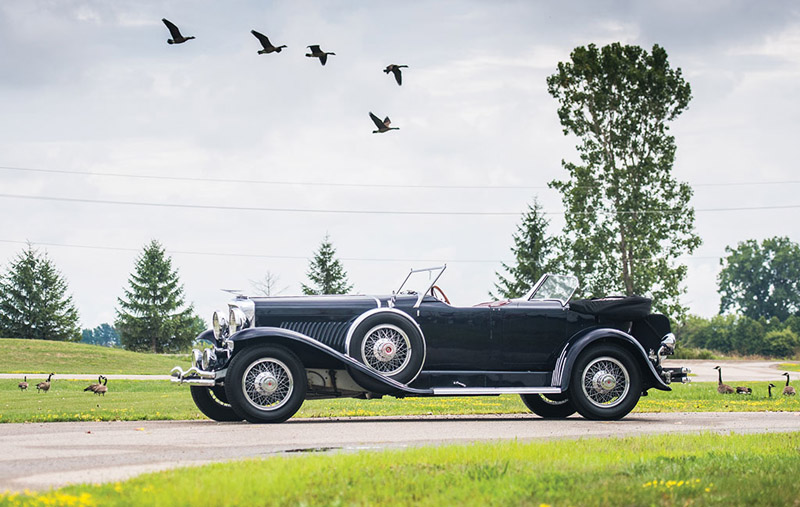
[739, 334]
[104, 335]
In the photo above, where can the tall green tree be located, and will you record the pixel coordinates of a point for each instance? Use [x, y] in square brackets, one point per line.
[326, 272]
[627, 218]
[34, 302]
[761, 280]
[533, 252]
[104, 335]
[152, 316]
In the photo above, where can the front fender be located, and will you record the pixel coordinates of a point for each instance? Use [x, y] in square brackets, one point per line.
[292, 339]
[573, 349]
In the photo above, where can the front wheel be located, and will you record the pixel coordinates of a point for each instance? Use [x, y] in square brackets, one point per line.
[213, 403]
[548, 406]
[605, 382]
[266, 384]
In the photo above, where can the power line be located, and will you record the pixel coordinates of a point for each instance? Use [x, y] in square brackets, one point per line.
[352, 185]
[302, 257]
[376, 211]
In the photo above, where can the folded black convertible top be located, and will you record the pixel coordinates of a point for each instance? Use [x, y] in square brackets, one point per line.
[616, 308]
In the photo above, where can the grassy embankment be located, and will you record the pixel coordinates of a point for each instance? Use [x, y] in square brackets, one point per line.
[706, 469]
[161, 400]
[42, 356]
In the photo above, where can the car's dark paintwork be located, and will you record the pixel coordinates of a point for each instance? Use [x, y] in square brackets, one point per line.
[513, 344]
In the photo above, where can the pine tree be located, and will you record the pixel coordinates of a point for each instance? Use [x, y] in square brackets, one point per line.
[326, 272]
[152, 316]
[533, 251]
[34, 302]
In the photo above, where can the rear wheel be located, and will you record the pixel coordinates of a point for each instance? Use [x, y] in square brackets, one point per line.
[549, 406]
[266, 384]
[213, 403]
[605, 382]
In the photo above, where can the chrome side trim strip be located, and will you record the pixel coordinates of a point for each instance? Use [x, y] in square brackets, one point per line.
[558, 372]
[457, 391]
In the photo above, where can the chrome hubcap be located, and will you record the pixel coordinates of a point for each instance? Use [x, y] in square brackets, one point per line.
[605, 382]
[267, 383]
[386, 349]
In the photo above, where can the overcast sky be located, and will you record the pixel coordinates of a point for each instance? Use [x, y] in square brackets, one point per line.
[93, 87]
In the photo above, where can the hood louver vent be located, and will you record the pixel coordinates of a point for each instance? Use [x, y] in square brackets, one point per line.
[331, 334]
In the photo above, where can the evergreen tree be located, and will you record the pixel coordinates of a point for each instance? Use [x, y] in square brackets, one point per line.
[627, 218]
[152, 316]
[34, 302]
[326, 272]
[533, 251]
[103, 335]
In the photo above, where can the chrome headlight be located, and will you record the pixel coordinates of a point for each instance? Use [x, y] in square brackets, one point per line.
[237, 319]
[667, 345]
[220, 324]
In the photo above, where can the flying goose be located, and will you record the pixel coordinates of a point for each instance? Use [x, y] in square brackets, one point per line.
[268, 47]
[723, 388]
[102, 389]
[44, 386]
[177, 38]
[383, 126]
[395, 69]
[787, 389]
[316, 52]
[92, 387]
[24, 384]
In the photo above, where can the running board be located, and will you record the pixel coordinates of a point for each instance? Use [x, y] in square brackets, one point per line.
[477, 391]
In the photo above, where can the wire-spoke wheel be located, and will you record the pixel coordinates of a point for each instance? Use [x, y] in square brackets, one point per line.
[389, 344]
[605, 382]
[386, 349]
[549, 406]
[266, 384]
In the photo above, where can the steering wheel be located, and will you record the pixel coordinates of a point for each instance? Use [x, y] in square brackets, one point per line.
[438, 289]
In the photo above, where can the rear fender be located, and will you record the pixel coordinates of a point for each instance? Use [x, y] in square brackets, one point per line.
[573, 349]
[293, 340]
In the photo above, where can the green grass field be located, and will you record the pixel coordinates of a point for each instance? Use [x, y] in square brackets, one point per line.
[789, 367]
[132, 400]
[43, 356]
[705, 469]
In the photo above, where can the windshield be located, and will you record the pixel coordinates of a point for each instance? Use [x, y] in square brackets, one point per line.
[419, 281]
[558, 287]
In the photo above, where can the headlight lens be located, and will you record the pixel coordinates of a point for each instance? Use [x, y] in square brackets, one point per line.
[208, 357]
[220, 324]
[237, 319]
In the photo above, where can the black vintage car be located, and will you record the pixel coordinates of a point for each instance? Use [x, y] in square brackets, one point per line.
[596, 357]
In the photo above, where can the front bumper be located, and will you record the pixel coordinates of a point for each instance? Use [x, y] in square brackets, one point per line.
[197, 374]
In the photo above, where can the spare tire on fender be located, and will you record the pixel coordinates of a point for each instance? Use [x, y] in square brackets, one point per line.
[388, 343]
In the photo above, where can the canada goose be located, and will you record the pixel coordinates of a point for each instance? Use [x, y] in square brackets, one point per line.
[24, 384]
[769, 389]
[395, 69]
[268, 47]
[102, 389]
[177, 38]
[44, 386]
[316, 52]
[743, 390]
[92, 387]
[722, 388]
[788, 390]
[383, 126]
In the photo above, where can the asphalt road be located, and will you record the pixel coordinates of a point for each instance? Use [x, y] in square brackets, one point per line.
[38, 456]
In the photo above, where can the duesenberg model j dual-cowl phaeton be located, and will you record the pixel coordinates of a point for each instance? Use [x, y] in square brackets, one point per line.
[593, 356]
